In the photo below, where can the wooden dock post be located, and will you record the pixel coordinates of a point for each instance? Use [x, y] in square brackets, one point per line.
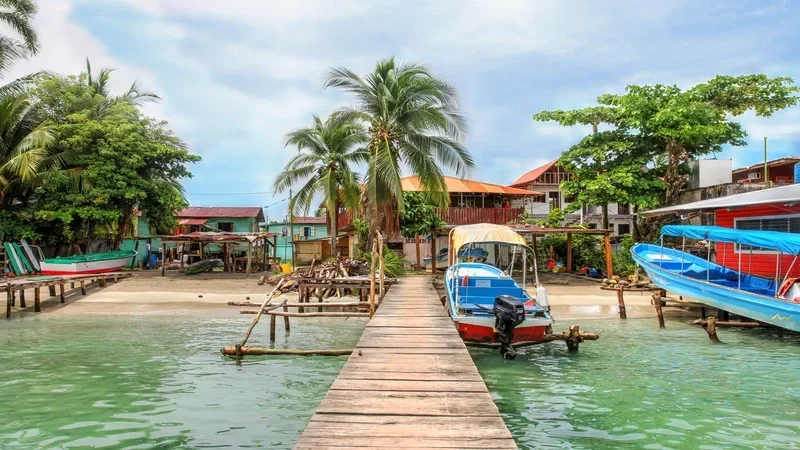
[61, 291]
[286, 320]
[8, 300]
[163, 261]
[51, 290]
[22, 303]
[272, 319]
[380, 269]
[372, 279]
[103, 283]
[83, 287]
[249, 259]
[711, 329]
[574, 340]
[623, 314]
[659, 312]
[36, 294]
[569, 252]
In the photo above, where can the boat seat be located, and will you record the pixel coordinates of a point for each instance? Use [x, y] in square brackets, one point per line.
[493, 282]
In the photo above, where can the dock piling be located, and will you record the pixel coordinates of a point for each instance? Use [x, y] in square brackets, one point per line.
[36, 294]
[623, 314]
[83, 287]
[659, 312]
[52, 290]
[22, 303]
[711, 329]
[61, 291]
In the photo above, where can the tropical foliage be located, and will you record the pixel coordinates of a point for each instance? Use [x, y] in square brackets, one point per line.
[419, 215]
[413, 121]
[651, 121]
[16, 15]
[323, 166]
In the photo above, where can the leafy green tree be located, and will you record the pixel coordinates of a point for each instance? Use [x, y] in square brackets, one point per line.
[413, 121]
[685, 124]
[127, 163]
[323, 165]
[16, 15]
[418, 217]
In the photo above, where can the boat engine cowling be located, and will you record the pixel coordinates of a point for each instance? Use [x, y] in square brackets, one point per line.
[509, 312]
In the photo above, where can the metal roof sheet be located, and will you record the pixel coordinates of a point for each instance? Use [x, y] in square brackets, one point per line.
[782, 194]
[456, 185]
[209, 212]
[531, 176]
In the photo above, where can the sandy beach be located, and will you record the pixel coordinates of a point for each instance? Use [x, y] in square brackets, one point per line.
[147, 293]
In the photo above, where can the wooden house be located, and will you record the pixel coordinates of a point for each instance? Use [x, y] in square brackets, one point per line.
[778, 171]
[303, 229]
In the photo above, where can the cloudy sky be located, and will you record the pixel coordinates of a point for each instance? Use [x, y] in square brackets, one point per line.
[237, 75]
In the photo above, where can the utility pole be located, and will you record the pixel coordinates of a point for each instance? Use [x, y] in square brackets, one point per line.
[766, 170]
[291, 227]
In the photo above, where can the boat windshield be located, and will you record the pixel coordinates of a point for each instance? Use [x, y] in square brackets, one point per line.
[496, 245]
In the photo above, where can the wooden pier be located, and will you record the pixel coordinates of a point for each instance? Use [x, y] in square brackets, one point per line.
[17, 287]
[409, 383]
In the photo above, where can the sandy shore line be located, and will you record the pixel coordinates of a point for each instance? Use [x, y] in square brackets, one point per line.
[207, 295]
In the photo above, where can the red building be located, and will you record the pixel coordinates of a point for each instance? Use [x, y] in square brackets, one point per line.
[775, 209]
[779, 171]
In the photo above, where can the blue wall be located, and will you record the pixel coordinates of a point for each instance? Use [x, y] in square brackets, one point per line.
[284, 243]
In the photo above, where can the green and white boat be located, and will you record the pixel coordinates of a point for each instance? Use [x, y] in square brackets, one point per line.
[92, 263]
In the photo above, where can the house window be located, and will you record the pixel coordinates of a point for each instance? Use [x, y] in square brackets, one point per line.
[554, 197]
[623, 228]
[623, 210]
[225, 226]
[308, 232]
[781, 224]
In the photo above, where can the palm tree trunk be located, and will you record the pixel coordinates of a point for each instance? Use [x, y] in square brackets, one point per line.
[334, 230]
[123, 226]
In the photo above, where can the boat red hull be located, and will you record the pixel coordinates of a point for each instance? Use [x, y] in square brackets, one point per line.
[484, 334]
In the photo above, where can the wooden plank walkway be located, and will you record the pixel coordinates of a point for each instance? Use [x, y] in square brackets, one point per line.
[410, 383]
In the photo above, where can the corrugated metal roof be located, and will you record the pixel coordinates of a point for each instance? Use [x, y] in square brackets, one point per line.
[192, 221]
[783, 195]
[209, 212]
[456, 185]
[310, 219]
[773, 163]
[531, 176]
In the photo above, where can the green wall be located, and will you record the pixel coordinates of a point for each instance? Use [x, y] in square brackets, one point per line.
[284, 243]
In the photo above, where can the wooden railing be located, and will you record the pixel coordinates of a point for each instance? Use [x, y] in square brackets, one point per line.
[345, 219]
[467, 216]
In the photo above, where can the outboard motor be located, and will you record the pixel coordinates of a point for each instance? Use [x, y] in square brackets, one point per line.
[508, 312]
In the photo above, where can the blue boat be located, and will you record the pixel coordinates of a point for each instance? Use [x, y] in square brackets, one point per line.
[443, 256]
[773, 301]
[477, 291]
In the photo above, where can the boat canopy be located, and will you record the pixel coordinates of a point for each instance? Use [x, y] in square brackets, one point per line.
[483, 232]
[773, 240]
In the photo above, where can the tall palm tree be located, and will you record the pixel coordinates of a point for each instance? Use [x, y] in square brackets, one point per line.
[26, 150]
[324, 165]
[413, 121]
[99, 85]
[17, 15]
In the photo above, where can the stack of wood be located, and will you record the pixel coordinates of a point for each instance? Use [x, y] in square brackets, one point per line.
[327, 270]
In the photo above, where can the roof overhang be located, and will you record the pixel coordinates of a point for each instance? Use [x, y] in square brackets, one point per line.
[192, 221]
[779, 195]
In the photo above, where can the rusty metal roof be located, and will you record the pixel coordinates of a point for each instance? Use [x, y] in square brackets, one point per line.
[216, 237]
[459, 185]
[209, 212]
[531, 176]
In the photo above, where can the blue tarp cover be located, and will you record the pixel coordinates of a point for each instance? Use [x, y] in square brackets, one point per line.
[773, 240]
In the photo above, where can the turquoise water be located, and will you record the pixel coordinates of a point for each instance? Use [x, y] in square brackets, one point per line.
[131, 382]
[641, 387]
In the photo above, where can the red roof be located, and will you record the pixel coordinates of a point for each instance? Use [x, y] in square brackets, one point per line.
[455, 185]
[208, 212]
[530, 177]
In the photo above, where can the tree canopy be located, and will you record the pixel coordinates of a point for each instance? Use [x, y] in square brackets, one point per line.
[418, 216]
[651, 121]
[412, 118]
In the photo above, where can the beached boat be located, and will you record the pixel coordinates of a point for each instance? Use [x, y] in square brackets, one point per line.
[774, 301]
[92, 263]
[477, 292]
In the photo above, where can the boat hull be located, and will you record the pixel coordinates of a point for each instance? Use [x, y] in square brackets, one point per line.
[481, 329]
[781, 313]
[85, 268]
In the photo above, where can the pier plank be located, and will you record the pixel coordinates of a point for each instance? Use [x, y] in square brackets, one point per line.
[409, 383]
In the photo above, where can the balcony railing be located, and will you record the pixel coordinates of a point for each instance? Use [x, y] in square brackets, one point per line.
[467, 216]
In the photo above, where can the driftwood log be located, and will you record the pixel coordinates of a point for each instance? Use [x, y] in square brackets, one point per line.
[300, 305]
[270, 312]
[731, 323]
[231, 351]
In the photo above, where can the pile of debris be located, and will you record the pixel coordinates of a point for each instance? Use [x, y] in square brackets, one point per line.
[331, 269]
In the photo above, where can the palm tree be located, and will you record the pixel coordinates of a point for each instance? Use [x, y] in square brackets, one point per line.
[327, 152]
[26, 150]
[413, 121]
[17, 15]
[99, 85]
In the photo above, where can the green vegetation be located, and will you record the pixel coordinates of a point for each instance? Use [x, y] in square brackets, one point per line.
[652, 123]
[78, 162]
[323, 165]
[412, 119]
[418, 216]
